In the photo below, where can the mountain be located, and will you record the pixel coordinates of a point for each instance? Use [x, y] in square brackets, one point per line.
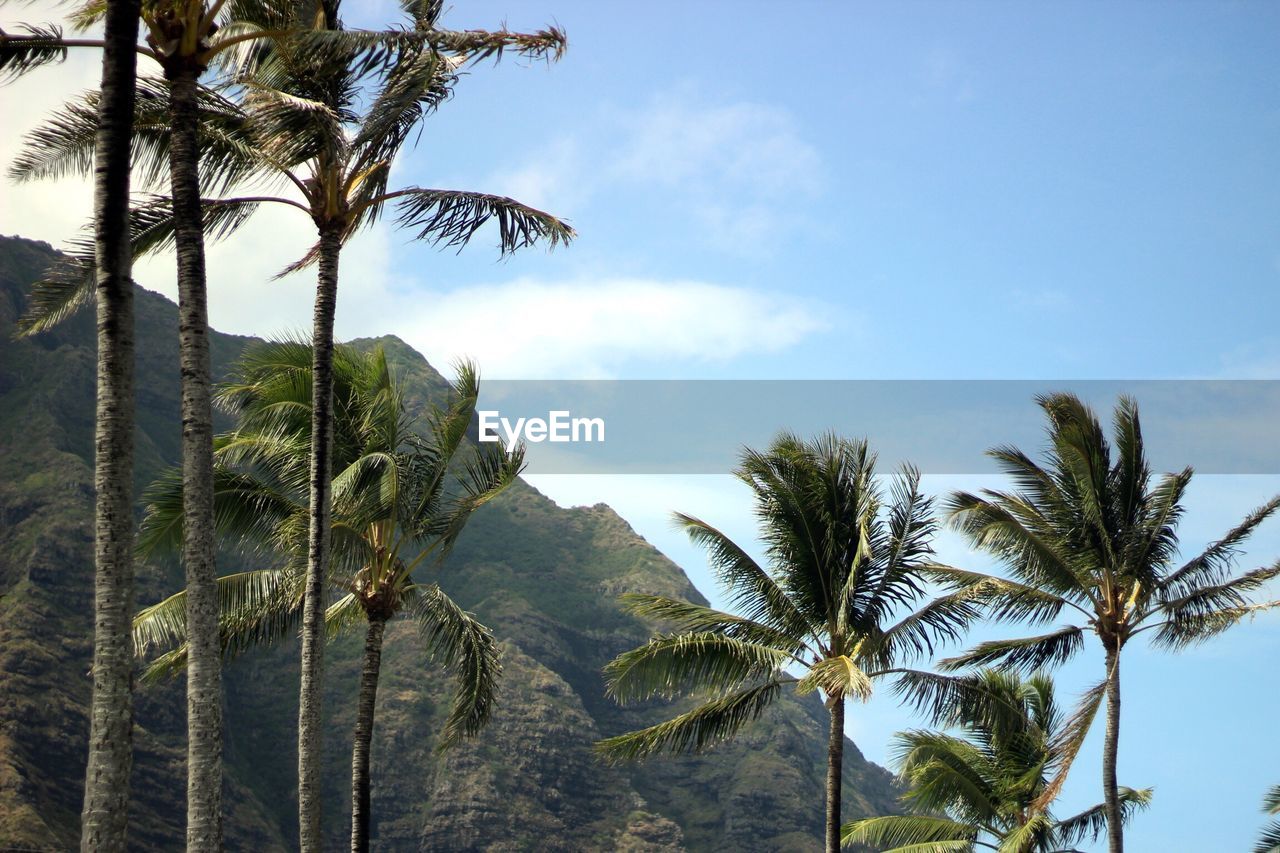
[545, 578]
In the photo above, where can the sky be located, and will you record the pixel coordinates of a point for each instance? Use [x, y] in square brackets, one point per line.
[812, 190]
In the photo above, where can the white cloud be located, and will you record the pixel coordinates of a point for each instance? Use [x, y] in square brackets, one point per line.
[723, 167]
[42, 210]
[734, 170]
[588, 329]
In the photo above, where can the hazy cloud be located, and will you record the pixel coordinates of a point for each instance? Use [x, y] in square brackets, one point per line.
[590, 328]
[734, 170]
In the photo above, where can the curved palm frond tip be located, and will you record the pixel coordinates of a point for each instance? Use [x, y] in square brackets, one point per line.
[1089, 534]
[1269, 840]
[832, 604]
[992, 785]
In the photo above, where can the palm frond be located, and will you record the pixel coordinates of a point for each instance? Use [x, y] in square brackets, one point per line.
[1067, 743]
[1204, 600]
[683, 616]
[32, 48]
[1213, 565]
[1002, 599]
[671, 664]
[468, 650]
[414, 88]
[1191, 627]
[999, 524]
[694, 731]
[913, 833]
[452, 218]
[69, 283]
[751, 589]
[1027, 654]
[1269, 841]
[945, 619]
[63, 146]
[253, 608]
[1090, 824]
[343, 615]
[245, 508]
[1271, 802]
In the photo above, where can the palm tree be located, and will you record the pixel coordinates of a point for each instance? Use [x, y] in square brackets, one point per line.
[843, 565]
[298, 124]
[1088, 532]
[1270, 840]
[399, 500]
[104, 821]
[985, 788]
[186, 38]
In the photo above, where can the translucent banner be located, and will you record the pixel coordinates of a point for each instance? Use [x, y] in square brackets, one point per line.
[941, 426]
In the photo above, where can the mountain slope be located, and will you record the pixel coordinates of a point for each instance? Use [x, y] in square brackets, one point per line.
[544, 578]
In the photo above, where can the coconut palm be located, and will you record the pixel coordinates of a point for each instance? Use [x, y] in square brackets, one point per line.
[186, 39]
[103, 823]
[984, 787]
[298, 124]
[1087, 533]
[844, 564]
[400, 500]
[1269, 842]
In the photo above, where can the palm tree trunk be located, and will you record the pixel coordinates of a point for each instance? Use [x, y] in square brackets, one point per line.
[835, 765]
[364, 735]
[204, 662]
[1111, 793]
[104, 822]
[310, 690]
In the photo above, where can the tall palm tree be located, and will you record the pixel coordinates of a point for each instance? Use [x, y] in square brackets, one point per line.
[1269, 842]
[984, 788]
[104, 820]
[181, 39]
[844, 566]
[186, 39]
[1089, 534]
[299, 125]
[399, 501]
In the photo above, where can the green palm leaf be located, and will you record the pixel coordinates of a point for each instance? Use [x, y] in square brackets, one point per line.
[706, 661]
[468, 650]
[693, 731]
[914, 833]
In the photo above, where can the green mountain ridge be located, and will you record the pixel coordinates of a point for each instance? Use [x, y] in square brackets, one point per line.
[545, 578]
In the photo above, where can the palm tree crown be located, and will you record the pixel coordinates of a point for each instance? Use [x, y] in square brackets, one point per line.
[400, 499]
[1088, 533]
[845, 562]
[985, 786]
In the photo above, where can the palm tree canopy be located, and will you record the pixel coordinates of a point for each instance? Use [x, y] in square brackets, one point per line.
[1090, 531]
[844, 559]
[321, 126]
[400, 499]
[992, 783]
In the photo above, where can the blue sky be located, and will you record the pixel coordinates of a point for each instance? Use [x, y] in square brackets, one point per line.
[852, 190]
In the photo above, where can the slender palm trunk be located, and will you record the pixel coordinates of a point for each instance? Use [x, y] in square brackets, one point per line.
[310, 690]
[1111, 793]
[104, 823]
[835, 765]
[204, 661]
[364, 735]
